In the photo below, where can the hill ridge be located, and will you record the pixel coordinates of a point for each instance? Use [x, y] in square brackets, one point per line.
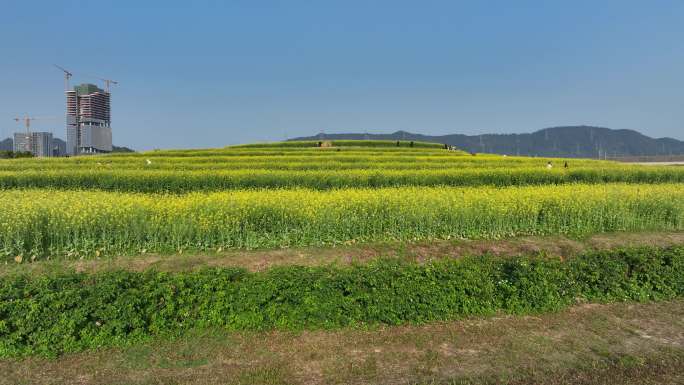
[560, 141]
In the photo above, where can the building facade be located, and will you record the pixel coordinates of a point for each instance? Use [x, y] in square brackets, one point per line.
[22, 142]
[88, 120]
[37, 143]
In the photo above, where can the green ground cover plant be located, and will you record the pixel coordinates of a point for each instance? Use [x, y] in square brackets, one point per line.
[52, 314]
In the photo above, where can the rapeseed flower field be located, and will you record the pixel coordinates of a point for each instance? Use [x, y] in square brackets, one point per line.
[275, 195]
[39, 223]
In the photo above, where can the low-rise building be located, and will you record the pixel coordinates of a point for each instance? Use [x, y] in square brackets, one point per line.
[37, 143]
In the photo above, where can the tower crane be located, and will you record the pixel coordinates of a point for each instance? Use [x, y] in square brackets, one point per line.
[107, 83]
[67, 76]
[28, 119]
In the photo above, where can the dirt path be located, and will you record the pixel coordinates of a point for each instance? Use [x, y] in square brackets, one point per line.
[420, 251]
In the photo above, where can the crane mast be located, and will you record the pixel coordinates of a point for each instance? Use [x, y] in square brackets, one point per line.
[107, 83]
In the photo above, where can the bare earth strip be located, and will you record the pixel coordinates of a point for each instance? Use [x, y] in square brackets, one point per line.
[256, 260]
[590, 344]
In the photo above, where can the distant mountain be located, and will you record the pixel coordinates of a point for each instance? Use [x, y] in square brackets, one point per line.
[121, 149]
[567, 141]
[60, 144]
[7, 145]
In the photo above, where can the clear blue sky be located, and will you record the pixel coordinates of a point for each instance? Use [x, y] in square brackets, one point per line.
[212, 73]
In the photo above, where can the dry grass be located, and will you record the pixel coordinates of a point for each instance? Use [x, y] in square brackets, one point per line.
[256, 260]
[591, 344]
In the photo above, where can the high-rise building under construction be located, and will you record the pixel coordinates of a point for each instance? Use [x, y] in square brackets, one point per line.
[88, 120]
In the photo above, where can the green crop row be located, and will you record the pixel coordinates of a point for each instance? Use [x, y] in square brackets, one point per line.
[301, 162]
[285, 153]
[263, 165]
[343, 143]
[51, 223]
[54, 314]
[177, 181]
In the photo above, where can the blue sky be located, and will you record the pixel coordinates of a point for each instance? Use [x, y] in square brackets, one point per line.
[212, 73]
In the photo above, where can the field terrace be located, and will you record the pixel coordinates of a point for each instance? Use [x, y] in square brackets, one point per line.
[198, 266]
